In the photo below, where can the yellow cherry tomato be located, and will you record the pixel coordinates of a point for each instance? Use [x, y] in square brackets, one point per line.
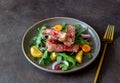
[79, 56]
[58, 27]
[53, 56]
[35, 52]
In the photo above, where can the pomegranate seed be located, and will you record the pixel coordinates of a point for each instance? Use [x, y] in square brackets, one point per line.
[55, 33]
[65, 47]
[71, 36]
[57, 67]
[53, 41]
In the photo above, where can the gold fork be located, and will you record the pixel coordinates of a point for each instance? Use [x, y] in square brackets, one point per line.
[108, 38]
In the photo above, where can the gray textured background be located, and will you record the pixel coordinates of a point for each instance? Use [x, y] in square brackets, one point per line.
[16, 16]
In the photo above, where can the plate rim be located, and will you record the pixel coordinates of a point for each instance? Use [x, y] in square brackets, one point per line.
[55, 71]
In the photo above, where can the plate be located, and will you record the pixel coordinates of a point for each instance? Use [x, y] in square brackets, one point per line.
[32, 31]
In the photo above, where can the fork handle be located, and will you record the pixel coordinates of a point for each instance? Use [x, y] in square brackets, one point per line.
[100, 64]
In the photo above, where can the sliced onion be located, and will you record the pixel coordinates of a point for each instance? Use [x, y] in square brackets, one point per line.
[56, 63]
[86, 36]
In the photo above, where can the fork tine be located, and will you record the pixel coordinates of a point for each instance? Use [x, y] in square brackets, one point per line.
[112, 35]
[109, 34]
[106, 32]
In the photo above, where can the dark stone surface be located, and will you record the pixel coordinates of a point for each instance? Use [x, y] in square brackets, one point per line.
[16, 16]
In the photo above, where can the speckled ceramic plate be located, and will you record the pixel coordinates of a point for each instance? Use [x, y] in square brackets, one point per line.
[32, 31]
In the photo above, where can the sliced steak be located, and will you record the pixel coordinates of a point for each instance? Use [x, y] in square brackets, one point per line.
[70, 35]
[55, 35]
[61, 48]
[51, 38]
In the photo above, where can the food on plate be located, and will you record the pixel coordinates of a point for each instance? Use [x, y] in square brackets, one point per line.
[58, 27]
[53, 47]
[70, 35]
[53, 56]
[86, 48]
[55, 35]
[56, 65]
[35, 52]
[62, 45]
[79, 56]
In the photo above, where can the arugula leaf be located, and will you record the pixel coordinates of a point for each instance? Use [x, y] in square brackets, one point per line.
[40, 36]
[33, 41]
[80, 32]
[64, 27]
[76, 25]
[64, 67]
[81, 41]
[39, 39]
[89, 56]
[42, 28]
[45, 60]
[42, 48]
[63, 24]
[71, 60]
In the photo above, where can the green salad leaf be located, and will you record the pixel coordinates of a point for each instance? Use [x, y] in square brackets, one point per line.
[64, 27]
[39, 38]
[80, 32]
[89, 56]
[71, 60]
[81, 41]
[76, 25]
[64, 67]
[45, 60]
[59, 59]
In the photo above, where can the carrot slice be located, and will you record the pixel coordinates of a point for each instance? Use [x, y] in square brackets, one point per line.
[58, 27]
[86, 48]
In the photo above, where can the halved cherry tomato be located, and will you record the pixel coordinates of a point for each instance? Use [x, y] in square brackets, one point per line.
[53, 56]
[79, 56]
[58, 27]
[86, 48]
[35, 52]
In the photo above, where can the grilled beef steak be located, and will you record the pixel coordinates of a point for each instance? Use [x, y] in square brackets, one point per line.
[70, 35]
[61, 47]
[55, 35]
[67, 38]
